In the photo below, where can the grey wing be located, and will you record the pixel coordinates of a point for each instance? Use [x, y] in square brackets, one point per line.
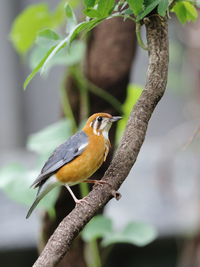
[62, 155]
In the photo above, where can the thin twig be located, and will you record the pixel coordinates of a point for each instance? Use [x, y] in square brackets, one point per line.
[191, 139]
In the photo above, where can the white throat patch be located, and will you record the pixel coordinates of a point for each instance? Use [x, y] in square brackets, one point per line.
[105, 134]
[101, 127]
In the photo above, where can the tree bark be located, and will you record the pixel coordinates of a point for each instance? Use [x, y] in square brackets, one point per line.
[126, 155]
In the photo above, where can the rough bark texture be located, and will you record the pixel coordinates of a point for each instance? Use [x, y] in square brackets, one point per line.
[126, 154]
[107, 65]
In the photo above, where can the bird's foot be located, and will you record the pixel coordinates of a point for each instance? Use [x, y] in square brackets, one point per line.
[114, 193]
[81, 201]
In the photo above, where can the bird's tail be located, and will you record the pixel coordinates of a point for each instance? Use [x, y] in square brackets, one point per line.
[42, 191]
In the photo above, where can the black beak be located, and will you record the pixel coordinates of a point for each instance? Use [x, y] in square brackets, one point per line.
[115, 118]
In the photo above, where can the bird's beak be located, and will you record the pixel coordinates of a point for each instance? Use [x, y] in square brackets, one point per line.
[115, 118]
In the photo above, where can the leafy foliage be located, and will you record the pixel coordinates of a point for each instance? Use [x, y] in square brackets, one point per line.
[66, 57]
[64, 43]
[136, 6]
[89, 3]
[103, 8]
[185, 11]
[50, 137]
[38, 67]
[33, 19]
[163, 7]
[98, 227]
[135, 233]
[36, 22]
[133, 94]
[15, 179]
[147, 9]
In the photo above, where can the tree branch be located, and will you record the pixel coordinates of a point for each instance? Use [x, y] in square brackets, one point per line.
[127, 152]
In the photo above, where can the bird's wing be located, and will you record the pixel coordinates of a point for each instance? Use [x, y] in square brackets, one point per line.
[62, 155]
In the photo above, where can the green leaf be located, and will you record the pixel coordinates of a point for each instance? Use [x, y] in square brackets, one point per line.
[98, 227]
[139, 234]
[136, 6]
[15, 181]
[147, 10]
[71, 18]
[89, 3]
[133, 94]
[45, 141]
[185, 11]
[29, 22]
[92, 13]
[162, 7]
[52, 53]
[73, 3]
[127, 11]
[48, 34]
[66, 57]
[47, 38]
[180, 11]
[81, 27]
[43, 64]
[37, 68]
[105, 7]
[191, 11]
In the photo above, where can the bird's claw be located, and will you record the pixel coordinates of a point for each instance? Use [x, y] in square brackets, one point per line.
[82, 201]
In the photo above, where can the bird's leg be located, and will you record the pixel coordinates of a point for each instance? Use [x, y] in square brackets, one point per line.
[76, 200]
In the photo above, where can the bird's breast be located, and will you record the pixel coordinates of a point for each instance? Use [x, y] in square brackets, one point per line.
[83, 166]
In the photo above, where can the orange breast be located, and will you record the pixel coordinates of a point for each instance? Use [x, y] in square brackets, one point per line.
[86, 164]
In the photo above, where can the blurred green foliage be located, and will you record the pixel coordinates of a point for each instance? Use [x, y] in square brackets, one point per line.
[46, 140]
[66, 57]
[185, 11]
[133, 94]
[15, 179]
[33, 19]
[27, 26]
[135, 233]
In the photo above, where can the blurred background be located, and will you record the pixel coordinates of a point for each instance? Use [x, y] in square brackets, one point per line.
[163, 187]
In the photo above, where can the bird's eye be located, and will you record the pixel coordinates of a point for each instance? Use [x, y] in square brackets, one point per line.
[99, 119]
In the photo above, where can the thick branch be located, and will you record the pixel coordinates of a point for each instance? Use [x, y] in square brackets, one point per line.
[126, 154]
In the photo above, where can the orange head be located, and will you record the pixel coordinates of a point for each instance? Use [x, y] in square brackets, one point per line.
[100, 123]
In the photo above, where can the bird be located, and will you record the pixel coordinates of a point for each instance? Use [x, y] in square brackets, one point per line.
[76, 159]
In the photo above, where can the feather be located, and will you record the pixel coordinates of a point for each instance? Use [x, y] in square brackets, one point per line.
[42, 191]
[62, 155]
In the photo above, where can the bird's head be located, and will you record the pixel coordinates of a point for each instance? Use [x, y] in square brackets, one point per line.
[100, 123]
